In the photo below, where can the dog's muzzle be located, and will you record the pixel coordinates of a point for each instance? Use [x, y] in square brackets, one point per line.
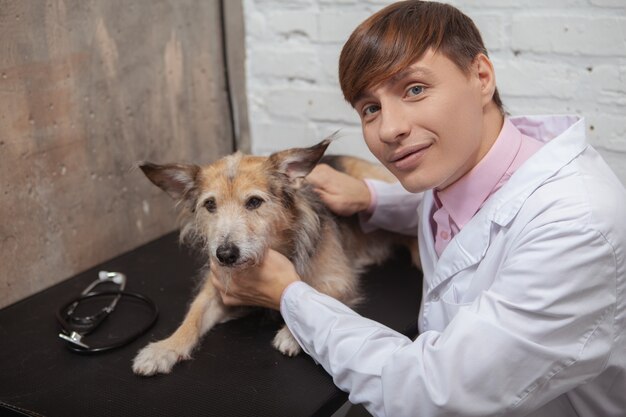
[227, 254]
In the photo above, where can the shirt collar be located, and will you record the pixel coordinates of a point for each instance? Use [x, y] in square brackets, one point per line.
[466, 196]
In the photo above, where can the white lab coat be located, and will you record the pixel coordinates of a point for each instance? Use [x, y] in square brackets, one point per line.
[523, 314]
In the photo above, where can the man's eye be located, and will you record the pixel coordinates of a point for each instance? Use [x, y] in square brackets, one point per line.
[254, 203]
[369, 110]
[210, 205]
[415, 90]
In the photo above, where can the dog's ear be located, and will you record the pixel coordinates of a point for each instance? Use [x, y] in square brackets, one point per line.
[298, 162]
[178, 180]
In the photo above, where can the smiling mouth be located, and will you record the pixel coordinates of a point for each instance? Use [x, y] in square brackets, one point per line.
[409, 158]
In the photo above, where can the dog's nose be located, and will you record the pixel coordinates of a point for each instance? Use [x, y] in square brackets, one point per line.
[227, 254]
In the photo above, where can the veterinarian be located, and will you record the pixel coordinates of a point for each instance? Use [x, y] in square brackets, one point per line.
[522, 233]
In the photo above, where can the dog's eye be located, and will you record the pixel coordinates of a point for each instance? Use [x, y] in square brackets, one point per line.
[254, 203]
[210, 205]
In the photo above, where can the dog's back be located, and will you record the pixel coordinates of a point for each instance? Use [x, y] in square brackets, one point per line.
[374, 247]
[337, 252]
[358, 168]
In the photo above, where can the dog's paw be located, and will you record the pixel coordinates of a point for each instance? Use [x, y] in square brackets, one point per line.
[286, 343]
[157, 358]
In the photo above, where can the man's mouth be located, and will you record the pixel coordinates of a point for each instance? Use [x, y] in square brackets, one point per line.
[408, 157]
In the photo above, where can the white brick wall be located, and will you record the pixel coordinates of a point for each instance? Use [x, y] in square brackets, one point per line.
[562, 56]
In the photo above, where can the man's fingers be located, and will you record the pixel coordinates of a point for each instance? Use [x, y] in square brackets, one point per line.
[320, 191]
[219, 285]
[320, 175]
[229, 300]
[327, 198]
[227, 297]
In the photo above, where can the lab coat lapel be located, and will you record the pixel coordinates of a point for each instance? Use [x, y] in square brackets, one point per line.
[425, 235]
[466, 249]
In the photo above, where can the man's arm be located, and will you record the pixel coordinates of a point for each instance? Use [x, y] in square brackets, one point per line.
[544, 327]
[394, 208]
[380, 205]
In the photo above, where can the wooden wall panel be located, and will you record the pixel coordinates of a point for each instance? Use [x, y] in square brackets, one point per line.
[87, 89]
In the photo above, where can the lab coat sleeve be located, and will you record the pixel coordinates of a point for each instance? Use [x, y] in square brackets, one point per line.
[395, 210]
[544, 327]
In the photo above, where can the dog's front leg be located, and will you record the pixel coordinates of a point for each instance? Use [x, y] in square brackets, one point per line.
[205, 311]
[285, 343]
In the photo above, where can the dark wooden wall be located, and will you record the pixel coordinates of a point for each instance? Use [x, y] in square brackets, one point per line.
[87, 89]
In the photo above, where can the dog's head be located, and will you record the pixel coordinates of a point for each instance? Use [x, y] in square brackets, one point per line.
[240, 205]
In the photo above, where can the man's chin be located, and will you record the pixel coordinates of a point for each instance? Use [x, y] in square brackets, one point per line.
[413, 185]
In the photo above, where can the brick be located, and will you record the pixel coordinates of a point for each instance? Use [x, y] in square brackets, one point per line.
[329, 62]
[605, 77]
[521, 77]
[607, 131]
[491, 28]
[612, 98]
[609, 3]
[333, 2]
[287, 103]
[285, 63]
[350, 142]
[518, 106]
[255, 22]
[276, 136]
[316, 105]
[602, 76]
[337, 27]
[293, 23]
[329, 105]
[616, 161]
[569, 34]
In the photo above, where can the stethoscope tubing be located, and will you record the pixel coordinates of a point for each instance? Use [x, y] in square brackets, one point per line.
[62, 315]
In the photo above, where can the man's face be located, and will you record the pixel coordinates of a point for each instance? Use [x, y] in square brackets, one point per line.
[426, 123]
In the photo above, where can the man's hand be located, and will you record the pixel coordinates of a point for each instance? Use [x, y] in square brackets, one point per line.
[343, 195]
[261, 285]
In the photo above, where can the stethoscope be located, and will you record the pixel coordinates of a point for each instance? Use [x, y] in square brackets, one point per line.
[74, 328]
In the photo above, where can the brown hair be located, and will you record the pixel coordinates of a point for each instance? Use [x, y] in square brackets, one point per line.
[398, 35]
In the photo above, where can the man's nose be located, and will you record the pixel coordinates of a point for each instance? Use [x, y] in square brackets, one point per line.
[394, 124]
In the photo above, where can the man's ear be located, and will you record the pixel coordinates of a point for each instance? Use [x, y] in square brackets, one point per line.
[178, 180]
[298, 162]
[486, 74]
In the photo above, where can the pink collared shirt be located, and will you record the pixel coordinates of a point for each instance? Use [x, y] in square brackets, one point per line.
[458, 203]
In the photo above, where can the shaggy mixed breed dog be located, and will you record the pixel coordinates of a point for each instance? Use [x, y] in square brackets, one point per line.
[239, 206]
